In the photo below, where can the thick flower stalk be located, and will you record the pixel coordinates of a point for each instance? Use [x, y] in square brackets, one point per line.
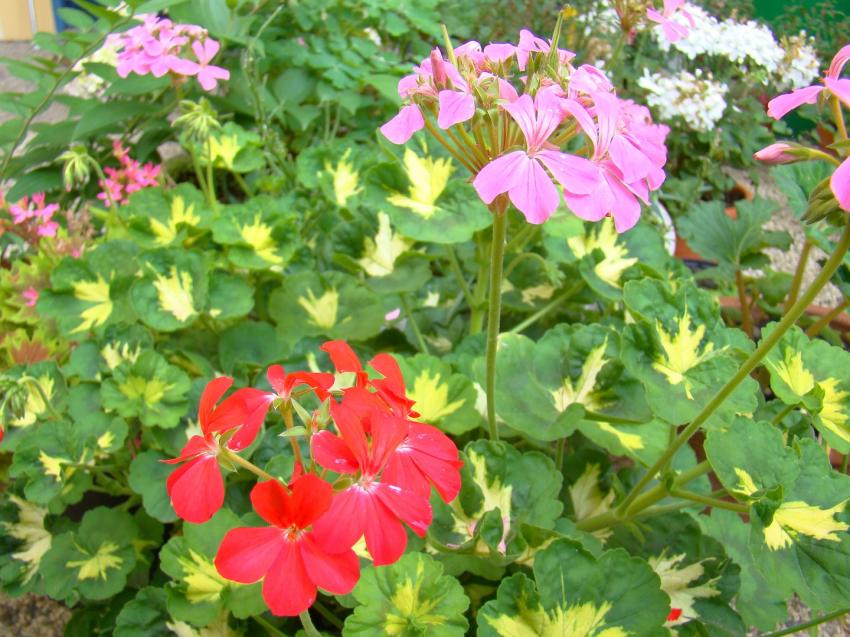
[370, 472]
[834, 92]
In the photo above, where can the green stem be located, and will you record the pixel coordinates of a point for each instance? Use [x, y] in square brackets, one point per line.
[827, 318]
[236, 459]
[797, 281]
[553, 304]
[707, 501]
[838, 115]
[408, 311]
[307, 623]
[286, 412]
[611, 420]
[778, 418]
[844, 463]
[497, 257]
[199, 174]
[787, 322]
[746, 314]
[33, 382]
[325, 612]
[476, 320]
[524, 257]
[458, 273]
[522, 237]
[242, 183]
[559, 454]
[809, 624]
[210, 181]
[268, 626]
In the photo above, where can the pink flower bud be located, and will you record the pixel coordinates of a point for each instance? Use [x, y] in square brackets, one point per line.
[438, 68]
[777, 154]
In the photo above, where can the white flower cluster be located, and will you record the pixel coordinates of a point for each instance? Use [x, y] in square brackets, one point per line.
[601, 19]
[699, 100]
[740, 42]
[800, 66]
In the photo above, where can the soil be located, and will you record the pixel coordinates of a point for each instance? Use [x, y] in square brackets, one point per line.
[32, 616]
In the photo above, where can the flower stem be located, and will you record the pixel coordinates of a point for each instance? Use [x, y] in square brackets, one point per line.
[838, 115]
[778, 418]
[268, 626]
[827, 318]
[414, 326]
[707, 501]
[476, 319]
[746, 315]
[787, 322]
[816, 621]
[797, 281]
[286, 412]
[236, 459]
[210, 181]
[497, 257]
[307, 623]
[458, 273]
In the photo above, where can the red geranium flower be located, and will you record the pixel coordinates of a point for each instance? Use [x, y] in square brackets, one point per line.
[291, 560]
[372, 507]
[258, 402]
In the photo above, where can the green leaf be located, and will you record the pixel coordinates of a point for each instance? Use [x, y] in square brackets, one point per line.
[797, 181]
[160, 218]
[681, 351]
[230, 296]
[424, 203]
[25, 541]
[409, 597]
[734, 243]
[250, 343]
[197, 593]
[330, 304]
[261, 233]
[172, 289]
[502, 489]
[147, 478]
[578, 595]
[94, 560]
[816, 376]
[442, 398]
[544, 388]
[91, 292]
[149, 389]
[144, 616]
[799, 523]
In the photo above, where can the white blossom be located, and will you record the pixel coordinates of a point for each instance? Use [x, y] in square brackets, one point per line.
[696, 98]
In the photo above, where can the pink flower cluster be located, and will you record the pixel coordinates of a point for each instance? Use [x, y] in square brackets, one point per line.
[32, 212]
[778, 107]
[673, 30]
[555, 102]
[158, 46]
[129, 177]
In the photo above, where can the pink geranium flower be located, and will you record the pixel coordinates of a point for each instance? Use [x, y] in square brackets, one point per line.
[673, 30]
[522, 173]
[35, 214]
[207, 74]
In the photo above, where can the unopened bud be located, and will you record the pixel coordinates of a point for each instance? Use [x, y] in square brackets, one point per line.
[77, 166]
[438, 68]
[778, 153]
[199, 119]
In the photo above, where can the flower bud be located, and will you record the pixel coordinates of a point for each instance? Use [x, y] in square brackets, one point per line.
[778, 153]
[438, 68]
[199, 119]
[77, 166]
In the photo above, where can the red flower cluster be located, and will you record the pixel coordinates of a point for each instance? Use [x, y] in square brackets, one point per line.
[386, 463]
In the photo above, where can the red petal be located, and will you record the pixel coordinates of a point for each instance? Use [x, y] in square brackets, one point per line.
[246, 554]
[195, 446]
[273, 503]
[320, 382]
[387, 366]
[256, 405]
[196, 489]
[407, 505]
[388, 432]
[350, 425]
[311, 498]
[336, 574]
[385, 536]
[287, 588]
[332, 453]
[345, 521]
[342, 356]
[276, 377]
[212, 392]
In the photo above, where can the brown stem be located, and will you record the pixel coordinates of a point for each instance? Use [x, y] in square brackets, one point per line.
[746, 314]
[797, 281]
[827, 318]
[286, 412]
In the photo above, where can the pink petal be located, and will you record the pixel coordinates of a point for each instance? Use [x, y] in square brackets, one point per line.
[779, 106]
[840, 184]
[401, 127]
[838, 62]
[498, 176]
[534, 194]
[524, 114]
[654, 15]
[839, 88]
[628, 158]
[626, 210]
[455, 107]
[576, 174]
[499, 51]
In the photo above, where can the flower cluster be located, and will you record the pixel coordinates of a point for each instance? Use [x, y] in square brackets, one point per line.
[34, 216]
[512, 115]
[87, 84]
[674, 30]
[385, 461]
[834, 88]
[699, 100]
[801, 65]
[158, 47]
[129, 177]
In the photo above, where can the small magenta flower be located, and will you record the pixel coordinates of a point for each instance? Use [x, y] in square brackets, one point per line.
[781, 105]
[207, 74]
[673, 30]
[30, 296]
[33, 212]
[776, 154]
